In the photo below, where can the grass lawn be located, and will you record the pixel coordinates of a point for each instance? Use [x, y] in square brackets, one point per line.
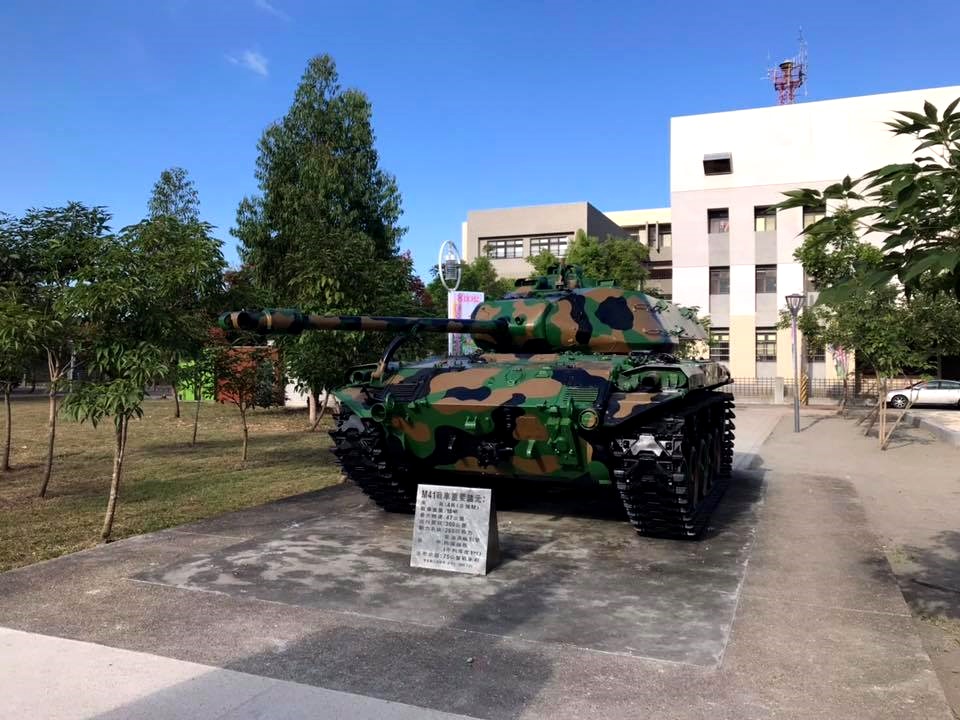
[165, 481]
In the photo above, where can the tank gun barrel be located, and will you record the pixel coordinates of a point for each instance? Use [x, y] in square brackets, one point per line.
[294, 322]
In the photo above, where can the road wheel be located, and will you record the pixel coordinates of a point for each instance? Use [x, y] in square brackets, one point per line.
[899, 401]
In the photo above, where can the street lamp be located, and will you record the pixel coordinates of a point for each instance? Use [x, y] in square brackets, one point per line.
[794, 303]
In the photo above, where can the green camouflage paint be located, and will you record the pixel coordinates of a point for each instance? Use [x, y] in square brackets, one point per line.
[564, 362]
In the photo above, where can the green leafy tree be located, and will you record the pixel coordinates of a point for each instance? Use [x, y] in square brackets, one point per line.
[874, 321]
[122, 326]
[915, 205]
[175, 195]
[19, 341]
[323, 232]
[199, 374]
[174, 234]
[52, 246]
[618, 259]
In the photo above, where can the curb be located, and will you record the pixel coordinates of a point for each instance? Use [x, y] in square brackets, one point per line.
[945, 434]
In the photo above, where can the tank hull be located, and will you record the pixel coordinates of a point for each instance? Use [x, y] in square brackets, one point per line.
[505, 418]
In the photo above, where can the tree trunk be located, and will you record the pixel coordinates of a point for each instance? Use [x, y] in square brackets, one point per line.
[196, 421]
[176, 400]
[243, 419]
[119, 448]
[323, 410]
[6, 443]
[51, 421]
[312, 408]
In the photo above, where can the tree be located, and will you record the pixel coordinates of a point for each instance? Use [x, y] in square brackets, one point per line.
[618, 259]
[322, 234]
[914, 210]
[175, 195]
[915, 206]
[122, 322]
[876, 322]
[246, 377]
[174, 234]
[19, 339]
[199, 374]
[52, 246]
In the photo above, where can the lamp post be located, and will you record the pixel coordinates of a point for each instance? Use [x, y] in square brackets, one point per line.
[794, 303]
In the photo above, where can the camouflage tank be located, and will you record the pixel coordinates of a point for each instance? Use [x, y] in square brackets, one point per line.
[574, 382]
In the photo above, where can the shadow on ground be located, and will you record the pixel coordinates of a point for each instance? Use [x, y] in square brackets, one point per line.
[931, 580]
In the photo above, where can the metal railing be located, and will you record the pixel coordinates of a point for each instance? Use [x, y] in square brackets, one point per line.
[818, 389]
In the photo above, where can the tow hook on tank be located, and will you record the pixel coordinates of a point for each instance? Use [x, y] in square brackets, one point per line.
[646, 443]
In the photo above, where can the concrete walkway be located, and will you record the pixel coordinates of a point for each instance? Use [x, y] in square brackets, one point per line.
[942, 424]
[57, 679]
[788, 609]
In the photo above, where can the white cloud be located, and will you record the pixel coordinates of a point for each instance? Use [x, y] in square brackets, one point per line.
[268, 7]
[252, 61]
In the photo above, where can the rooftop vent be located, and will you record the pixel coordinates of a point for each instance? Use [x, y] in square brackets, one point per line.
[717, 164]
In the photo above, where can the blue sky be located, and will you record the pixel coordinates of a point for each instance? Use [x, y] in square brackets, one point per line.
[476, 104]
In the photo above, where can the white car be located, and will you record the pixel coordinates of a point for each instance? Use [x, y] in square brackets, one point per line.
[931, 392]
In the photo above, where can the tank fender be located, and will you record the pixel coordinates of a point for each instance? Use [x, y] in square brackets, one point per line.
[625, 406]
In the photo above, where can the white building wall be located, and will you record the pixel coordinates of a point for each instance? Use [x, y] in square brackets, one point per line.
[773, 149]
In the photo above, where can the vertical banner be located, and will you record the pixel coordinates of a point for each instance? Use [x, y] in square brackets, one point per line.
[460, 306]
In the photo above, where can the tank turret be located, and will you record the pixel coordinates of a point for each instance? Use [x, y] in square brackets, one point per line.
[553, 313]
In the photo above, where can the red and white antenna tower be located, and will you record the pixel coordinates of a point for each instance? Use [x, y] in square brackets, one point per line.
[790, 75]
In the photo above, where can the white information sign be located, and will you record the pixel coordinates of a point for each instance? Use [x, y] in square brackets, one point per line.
[455, 528]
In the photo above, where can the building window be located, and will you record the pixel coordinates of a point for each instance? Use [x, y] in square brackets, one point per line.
[766, 279]
[764, 218]
[816, 354]
[719, 281]
[555, 245]
[652, 236]
[638, 233]
[813, 214]
[720, 345]
[661, 273]
[766, 344]
[717, 164]
[718, 220]
[499, 249]
[665, 231]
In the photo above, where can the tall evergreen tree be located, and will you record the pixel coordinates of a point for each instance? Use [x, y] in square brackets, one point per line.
[323, 232]
[175, 195]
[174, 234]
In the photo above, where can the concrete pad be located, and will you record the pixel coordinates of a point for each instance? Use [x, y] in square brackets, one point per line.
[574, 574]
[57, 679]
[808, 640]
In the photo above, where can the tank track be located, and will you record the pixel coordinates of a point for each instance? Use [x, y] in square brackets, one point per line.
[673, 493]
[360, 448]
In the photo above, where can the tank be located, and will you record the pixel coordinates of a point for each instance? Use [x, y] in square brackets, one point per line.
[573, 382]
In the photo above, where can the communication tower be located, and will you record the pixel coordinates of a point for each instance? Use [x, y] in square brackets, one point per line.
[790, 75]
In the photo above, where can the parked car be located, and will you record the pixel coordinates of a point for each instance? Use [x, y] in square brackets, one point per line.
[931, 392]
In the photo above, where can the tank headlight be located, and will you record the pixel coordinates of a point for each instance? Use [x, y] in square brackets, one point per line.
[378, 412]
[588, 419]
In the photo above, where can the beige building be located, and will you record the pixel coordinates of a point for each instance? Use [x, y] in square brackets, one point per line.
[510, 236]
